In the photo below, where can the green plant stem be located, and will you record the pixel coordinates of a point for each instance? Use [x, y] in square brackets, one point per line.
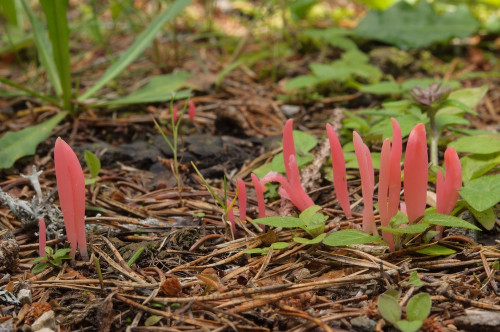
[434, 139]
[30, 92]
[99, 273]
[135, 257]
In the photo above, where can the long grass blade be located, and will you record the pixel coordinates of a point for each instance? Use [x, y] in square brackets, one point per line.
[29, 91]
[44, 49]
[57, 23]
[142, 41]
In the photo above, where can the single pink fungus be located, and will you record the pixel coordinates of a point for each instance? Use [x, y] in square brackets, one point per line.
[71, 190]
[230, 218]
[367, 183]
[259, 191]
[191, 110]
[42, 237]
[242, 199]
[175, 113]
[290, 186]
[389, 186]
[415, 173]
[339, 171]
[447, 185]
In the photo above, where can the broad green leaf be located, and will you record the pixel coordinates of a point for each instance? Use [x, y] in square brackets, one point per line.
[483, 144]
[481, 193]
[349, 236]
[256, 251]
[286, 222]
[93, 163]
[436, 250]
[138, 46]
[394, 293]
[448, 221]
[280, 245]
[327, 72]
[307, 214]
[470, 97]
[382, 88]
[409, 326]
[316, 240]
[398, 220]
[389, 308]
[415, 280]
[14, 145]
[43, 48]
[153, 320]
[62, 252]
[445, 120]
[408, 26]
[353, 163]
[39, 259]
[475, 165]
[486, 218]
[277, 164]
[160, 88]
[458, 104]
[410, 229]
[419, 307]
[57, 24]
[304, 142]
[39, 268]
[302, 82]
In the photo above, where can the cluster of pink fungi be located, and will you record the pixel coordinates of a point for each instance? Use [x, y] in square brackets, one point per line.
[71, 184]
[389, 187]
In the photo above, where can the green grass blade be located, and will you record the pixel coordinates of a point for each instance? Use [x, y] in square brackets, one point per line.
[29, 91]
[57, 23]
[43, 48]
[142, 41]
[9, 10]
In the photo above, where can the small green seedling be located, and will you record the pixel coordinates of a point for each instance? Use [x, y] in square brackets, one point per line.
[51, 259]
[265, 251]
[94, 165]
[417, 309]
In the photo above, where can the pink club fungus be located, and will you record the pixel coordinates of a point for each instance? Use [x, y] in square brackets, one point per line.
[259, 191]
[447, 185]
[191, 110]
[42, 237]
[175, 113]
[242, 199]
[415, 173]
[71, 190]
[339, 171]
[367, 183]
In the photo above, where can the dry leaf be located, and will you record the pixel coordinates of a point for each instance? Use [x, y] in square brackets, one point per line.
[171, 287]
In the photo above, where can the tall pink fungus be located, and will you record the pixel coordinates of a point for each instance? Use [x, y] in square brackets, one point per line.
[230, 218]
[383, 191]
[367, 183]
[395, 172]
[415, 173]
[42, 237]
[71, 190]
[242, 199]
[339, 171]
[191, 110]
[259, 191]
[447, 186]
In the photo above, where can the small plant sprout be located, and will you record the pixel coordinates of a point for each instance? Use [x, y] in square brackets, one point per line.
[191, 110]
[71, 190]
[42, 236]
[367, 183]
[339, 171]
[416, 173]
[259, 191]
[447, 185]
[49, 258]
[242, 199]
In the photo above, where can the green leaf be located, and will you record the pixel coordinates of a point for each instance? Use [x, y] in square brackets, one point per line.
[378, 4]
[302, 82]
[419, 307]
[458, 104]
[62, 252]
[474, 166]
[307, 214]
[486, 218]
[57, 24]
[481, 193]
[43, 48]
[10, 11]
[446, 120]
[304, 142]
[40, 267]
[436, 250]
[448, 221]
[277, 164]
[415, 280]
[410, 229]
[160, 88]
[39, 259]
[349, 236]
[93, 163]
[262, 251]
[49, 251]
[406, 326]
[153, 320]
[280, 245]
[389, 308]
[382, 88]
[470, 97]
[138, 46]
[14, 145]
[285, 222]
[316, 240]
[398, 220]
[408, 26]
[300, 8]
[482, 144]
